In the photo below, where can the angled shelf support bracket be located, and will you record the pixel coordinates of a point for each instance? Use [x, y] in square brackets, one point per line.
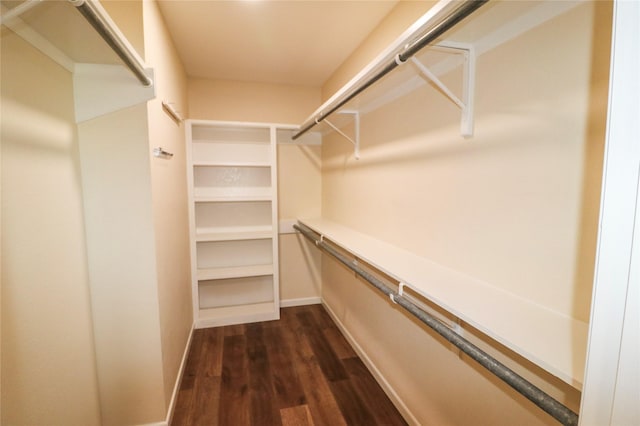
[356, 123]
[468, 82]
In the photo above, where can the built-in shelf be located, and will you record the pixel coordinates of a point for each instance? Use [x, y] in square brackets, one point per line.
[236, 314]
[233, 209]
[219, 163]
[232, 194]
[553, 341]
[234, 272]
[234, 233]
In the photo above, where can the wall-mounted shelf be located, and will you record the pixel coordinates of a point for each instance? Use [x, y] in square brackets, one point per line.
[452, 56]
[551, 340]
[234, 233]
[108, 73]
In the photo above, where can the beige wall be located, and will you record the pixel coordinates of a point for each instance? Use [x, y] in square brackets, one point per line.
[48, 360]
[114, 154]
[399, 19]
[142, 310]
[169, 197]
[298, 165]
[515, 206]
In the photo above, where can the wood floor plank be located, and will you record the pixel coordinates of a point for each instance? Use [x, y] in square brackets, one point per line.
[263, 406]
[322, 405]
[296, 416]
[288, 390]
[339, 344]
[326, 358]
[234, 330]
[234, 392]
[206, 401]
[354, 410]
[184, 409]
[293, 372]
[323, 319]
[372, 394]
[192, 366]
[211, 358]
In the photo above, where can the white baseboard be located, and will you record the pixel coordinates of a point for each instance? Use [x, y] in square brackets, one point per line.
[176, 386]
[382, 381]
[288, 303]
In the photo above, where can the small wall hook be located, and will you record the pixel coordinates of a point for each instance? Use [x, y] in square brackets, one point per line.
[161, 153]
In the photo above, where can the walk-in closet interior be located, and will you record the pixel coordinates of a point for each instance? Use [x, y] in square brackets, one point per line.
[455, 182]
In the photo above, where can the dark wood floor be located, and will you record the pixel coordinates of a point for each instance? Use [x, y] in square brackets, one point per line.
[296, 371]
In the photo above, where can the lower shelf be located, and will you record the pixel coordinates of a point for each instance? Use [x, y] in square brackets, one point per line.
[235, 292]
[229, 315]
[554, 341]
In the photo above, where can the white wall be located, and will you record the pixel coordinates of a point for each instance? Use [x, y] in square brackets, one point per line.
[48, 360]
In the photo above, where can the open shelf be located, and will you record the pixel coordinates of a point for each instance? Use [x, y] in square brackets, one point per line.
[234, 233]
[207, 195]
[235, 291]
[230, 163]
[553, 341]
[216, 317]
[234, 272]
[215, 214]
[215, 254]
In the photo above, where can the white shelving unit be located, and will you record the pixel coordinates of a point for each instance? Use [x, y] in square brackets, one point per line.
[233, 220]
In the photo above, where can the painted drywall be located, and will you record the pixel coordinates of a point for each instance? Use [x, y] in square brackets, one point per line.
[127, 14]
[298, 165]
[48, 360]
[115, 169]
[299, 171]
[399, 19]
[515, 206]
[169, 196]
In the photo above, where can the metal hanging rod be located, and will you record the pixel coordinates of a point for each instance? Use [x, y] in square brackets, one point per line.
[100, 21]
[104, 28]
[534, 394]
[387, 65]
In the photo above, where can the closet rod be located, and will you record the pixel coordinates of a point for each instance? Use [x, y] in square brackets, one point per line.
[468, 7]
[103, 27]
[534, 394]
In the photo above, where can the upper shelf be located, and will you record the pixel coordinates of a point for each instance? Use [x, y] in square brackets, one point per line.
[492, 25]
[60, 23]
[79, 35]
[82, 39]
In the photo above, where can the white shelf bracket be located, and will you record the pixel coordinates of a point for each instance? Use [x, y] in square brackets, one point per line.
[466, 104]
[356, 140]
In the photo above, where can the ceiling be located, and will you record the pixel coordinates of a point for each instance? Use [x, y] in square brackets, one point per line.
[298, 42]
